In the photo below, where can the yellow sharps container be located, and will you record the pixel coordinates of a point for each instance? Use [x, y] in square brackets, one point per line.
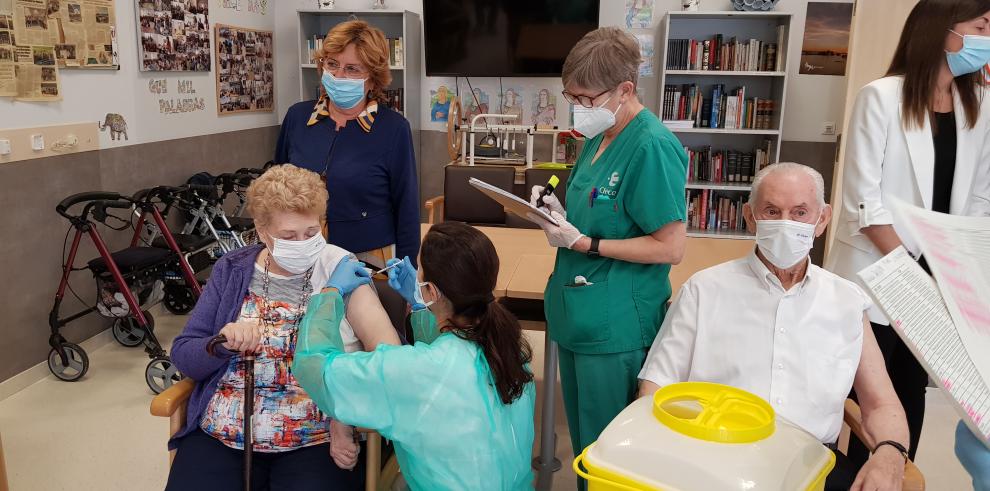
[697, 436]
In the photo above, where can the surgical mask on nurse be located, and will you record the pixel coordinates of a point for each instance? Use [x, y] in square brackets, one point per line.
[592, 121]
[974, 55]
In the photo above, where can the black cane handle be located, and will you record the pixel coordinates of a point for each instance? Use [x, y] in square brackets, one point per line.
[211, 346]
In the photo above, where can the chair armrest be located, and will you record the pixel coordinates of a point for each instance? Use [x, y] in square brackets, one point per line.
[434, 210]
[853, 417]
[172, 398]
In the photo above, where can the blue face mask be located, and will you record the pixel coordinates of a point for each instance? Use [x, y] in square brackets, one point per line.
[344, 92]
[974, 55]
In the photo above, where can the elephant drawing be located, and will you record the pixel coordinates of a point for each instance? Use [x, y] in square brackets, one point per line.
[116, 124]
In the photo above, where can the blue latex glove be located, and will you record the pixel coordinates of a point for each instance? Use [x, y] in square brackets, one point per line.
[975, 457]
[404, 280]
[349, 274]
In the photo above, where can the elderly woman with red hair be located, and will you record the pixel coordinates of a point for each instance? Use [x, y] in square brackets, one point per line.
[256, 297]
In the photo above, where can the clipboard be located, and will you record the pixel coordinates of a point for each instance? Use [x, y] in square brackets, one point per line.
[511, 202]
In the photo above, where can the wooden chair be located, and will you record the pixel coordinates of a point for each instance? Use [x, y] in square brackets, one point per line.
[171, 404]
[913, 479]
[461, 202]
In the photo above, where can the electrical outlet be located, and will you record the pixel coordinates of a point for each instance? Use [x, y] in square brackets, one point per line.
[828, 128]
[4, 147]
[37, 142]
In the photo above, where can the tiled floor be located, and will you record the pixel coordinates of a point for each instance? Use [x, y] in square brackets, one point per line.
[97, 434]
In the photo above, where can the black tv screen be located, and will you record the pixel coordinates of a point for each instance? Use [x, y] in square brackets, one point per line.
[503, 38]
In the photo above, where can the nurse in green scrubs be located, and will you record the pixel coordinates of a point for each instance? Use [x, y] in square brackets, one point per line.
[623, 227]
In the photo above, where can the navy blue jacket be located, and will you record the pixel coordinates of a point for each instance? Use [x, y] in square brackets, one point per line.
[371, 177]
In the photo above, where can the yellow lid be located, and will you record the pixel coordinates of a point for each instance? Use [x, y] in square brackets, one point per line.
[554, 181]
[714, 412]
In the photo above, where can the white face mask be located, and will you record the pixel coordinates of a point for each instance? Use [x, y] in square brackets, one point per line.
[592, 121]
[297, 256]
[785, 242]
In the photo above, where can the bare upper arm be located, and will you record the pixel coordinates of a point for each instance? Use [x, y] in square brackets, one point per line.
[872, 383]
[369, 320]
[674, 234]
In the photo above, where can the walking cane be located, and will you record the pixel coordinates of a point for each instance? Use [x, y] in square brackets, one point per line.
[248, 404]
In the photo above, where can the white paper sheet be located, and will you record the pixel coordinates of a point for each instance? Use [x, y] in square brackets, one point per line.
[915, 307]
[511, 202]
[957, 249]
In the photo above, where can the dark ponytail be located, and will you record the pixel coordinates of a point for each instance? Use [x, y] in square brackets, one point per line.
[463, 264]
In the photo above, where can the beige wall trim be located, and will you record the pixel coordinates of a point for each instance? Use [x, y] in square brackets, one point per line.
[58, 140]
[40, 371]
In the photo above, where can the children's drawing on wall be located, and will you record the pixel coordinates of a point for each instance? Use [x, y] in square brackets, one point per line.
[477, 102]
[545, 109]
[254, 6]
[646, 53]
[639, 14]
[826, 39]
[512, 103]
[116, 124]
[440, 104]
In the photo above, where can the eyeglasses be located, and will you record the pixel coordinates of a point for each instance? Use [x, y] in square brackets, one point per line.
[583, 100]
[350, 71]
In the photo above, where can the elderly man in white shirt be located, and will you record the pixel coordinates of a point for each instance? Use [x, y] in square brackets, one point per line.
[780, 327]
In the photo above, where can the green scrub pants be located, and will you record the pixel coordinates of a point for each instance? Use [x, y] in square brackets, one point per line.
[596, 389]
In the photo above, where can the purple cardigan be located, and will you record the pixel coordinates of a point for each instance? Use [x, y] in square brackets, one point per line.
[220, 304]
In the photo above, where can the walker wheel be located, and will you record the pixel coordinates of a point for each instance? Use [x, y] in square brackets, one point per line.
[78, 363]
[160, 374]
[128, 333]
[179, 299]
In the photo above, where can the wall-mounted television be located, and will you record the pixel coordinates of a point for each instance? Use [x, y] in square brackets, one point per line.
[503, 38]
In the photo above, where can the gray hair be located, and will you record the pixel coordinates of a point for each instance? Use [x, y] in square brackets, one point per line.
[602, 59]
[816, 177]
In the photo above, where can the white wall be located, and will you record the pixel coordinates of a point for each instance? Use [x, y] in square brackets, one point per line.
[89, 94]
[811, 99]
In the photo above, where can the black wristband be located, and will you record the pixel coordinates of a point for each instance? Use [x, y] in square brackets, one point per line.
[900, 448]
[593, 249]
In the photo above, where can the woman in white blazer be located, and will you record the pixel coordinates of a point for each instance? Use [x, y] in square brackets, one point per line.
[920, 135]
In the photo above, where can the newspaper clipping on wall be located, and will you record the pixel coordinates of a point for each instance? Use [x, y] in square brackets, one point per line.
[37, 74]
[81, 31]
[245, 70]
[8, 81]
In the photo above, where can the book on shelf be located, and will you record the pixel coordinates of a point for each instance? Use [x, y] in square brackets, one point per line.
[716, 211]
[717, 54]
[725, 109]
[396, 57]
[395, 99]
[314, 46]
[706, 165]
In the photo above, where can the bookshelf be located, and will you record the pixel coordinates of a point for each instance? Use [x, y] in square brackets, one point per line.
[396, 24]
[750, 126]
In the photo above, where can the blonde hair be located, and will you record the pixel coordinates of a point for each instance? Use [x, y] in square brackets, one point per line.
[602, 59]
[287, 188]
[372, 50]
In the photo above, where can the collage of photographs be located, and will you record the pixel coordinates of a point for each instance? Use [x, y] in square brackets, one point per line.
[245, 70]
[175, 35]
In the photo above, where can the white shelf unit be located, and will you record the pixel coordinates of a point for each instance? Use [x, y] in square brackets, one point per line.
[744, 26]
[394, 23]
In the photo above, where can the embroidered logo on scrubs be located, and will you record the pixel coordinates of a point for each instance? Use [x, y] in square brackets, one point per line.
[610, 192]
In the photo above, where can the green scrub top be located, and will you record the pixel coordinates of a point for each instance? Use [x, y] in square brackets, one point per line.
[634, 188]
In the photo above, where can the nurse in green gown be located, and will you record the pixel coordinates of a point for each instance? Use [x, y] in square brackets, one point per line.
[623, 227]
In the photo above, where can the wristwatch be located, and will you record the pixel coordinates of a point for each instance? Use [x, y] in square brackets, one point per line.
[593, 250]
[900, 448]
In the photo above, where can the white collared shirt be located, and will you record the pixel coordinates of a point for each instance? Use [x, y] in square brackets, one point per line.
[735, 325]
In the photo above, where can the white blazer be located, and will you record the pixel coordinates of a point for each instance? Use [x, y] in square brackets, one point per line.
[885, 160]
